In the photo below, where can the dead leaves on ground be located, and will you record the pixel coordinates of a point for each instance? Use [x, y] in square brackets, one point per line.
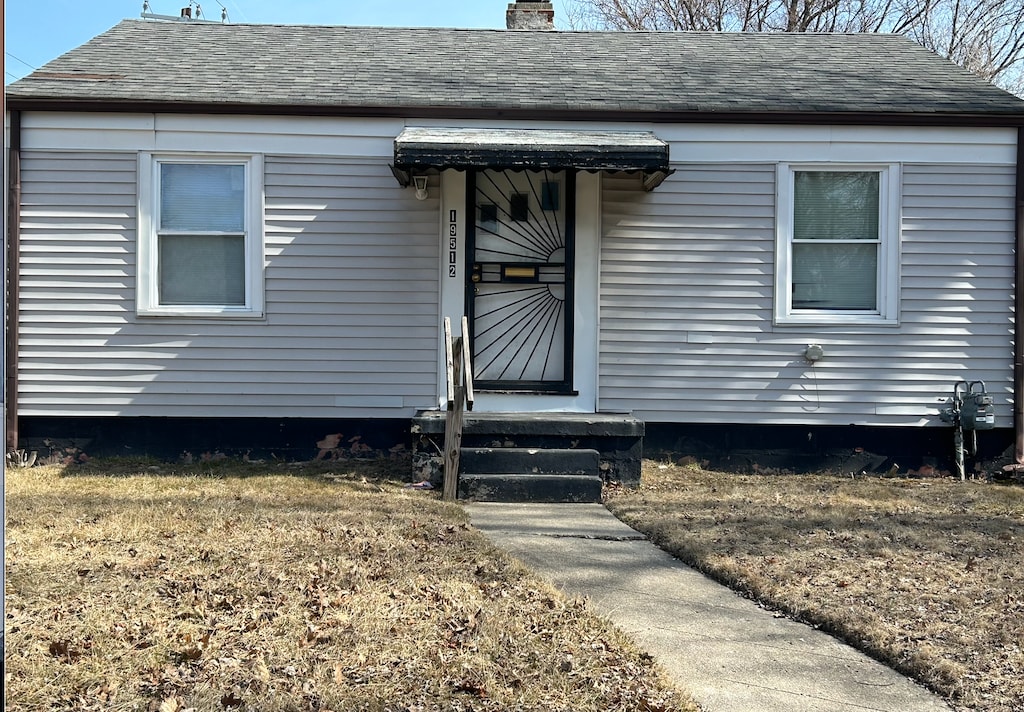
[178, 595]
[63, 650]
[925, 574]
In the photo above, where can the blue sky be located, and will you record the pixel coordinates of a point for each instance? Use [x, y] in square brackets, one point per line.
[36, 31]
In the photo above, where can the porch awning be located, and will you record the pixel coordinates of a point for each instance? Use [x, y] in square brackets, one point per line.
[420, 149]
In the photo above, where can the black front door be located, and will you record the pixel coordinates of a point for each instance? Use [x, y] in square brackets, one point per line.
[519, 289]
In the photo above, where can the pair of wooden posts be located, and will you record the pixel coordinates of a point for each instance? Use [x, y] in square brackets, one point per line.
[459, 376]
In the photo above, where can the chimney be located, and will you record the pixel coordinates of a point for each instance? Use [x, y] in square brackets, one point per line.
[530, 16]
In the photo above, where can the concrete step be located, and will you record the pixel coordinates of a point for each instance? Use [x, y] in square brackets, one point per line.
[512, 460]
[513, 487]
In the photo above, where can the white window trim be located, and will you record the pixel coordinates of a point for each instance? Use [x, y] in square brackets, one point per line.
[888, 284]
[147, 274]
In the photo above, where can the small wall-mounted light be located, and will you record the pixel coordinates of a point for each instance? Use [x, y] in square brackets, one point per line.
[420, 182]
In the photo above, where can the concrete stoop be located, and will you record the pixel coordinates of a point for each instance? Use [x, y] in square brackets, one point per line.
[533, 457]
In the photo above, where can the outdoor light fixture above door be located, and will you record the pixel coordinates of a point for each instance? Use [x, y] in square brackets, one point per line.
[420, 182]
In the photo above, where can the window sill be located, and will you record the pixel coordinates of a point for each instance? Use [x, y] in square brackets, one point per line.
[839, 320]
[199, 313]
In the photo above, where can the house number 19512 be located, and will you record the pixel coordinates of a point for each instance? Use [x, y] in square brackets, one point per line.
[453, 243]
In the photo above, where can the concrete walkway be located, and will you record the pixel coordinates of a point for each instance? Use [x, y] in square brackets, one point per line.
[732, 655]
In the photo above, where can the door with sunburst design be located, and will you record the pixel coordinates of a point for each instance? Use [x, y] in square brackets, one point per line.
[520, 279]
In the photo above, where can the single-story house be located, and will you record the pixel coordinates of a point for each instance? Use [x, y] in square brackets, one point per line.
[213, 222]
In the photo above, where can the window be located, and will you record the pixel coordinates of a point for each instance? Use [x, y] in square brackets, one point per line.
[549, 192]
[489, 216]
[200, 236]
[837, 248]
[519, 207]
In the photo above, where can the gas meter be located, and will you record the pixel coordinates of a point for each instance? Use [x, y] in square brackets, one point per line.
[971, 410]
[976, 410]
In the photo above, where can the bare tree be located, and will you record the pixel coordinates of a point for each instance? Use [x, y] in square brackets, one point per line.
[748, 15]
[984, 36]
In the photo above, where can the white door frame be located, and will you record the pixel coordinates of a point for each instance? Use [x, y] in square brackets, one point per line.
[585, 315]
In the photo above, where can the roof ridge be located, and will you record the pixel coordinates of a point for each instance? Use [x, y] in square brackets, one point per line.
[502, 30]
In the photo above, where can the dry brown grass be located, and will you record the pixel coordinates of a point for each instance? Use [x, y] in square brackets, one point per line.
[927, 575]
[275, 589]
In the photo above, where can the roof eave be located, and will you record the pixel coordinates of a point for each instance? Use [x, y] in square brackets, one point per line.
[887, 118]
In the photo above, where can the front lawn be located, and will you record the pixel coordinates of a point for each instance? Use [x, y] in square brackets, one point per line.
[140, 586]
[925, 574]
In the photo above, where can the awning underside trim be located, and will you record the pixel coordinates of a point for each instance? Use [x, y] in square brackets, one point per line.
[422, 149]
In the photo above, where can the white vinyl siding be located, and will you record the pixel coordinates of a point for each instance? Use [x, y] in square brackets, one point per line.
[353, 265]
[687, 282]
[350, 328]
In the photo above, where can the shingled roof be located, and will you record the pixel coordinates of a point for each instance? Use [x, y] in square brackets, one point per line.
[180, 66]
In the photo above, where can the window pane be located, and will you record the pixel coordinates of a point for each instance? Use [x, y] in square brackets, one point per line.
[835, 276]
[519, 207]
[549, 192]
[489, 216]
[202, 196]
[202, 269]
[836, 205]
